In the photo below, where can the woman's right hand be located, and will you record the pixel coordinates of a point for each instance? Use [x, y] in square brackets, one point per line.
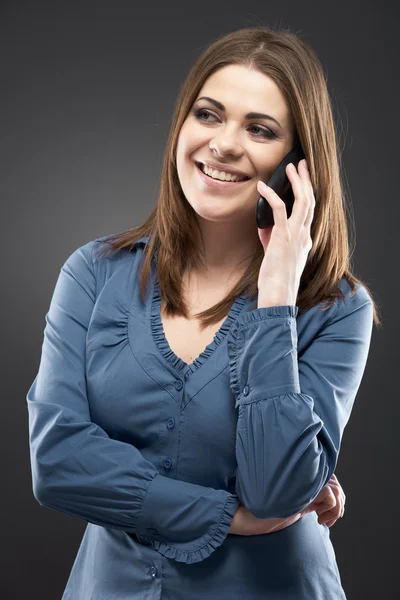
[245, 523]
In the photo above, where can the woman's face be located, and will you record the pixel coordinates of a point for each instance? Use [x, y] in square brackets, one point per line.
[253, 145]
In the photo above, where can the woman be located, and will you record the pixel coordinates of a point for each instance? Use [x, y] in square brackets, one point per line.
[197, 428]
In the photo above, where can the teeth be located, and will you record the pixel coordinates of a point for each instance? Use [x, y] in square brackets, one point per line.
[221, 175]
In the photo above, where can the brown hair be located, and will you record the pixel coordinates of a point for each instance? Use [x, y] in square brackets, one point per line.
[296, 70]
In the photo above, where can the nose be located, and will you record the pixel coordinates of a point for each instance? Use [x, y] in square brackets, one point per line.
[226, 142]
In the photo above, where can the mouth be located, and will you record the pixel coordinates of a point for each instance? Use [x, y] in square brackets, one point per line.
[218, 183]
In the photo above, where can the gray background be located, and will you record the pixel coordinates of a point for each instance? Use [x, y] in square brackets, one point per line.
[87, 94]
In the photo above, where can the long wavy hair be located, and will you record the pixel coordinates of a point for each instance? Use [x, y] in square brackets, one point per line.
[296, 70]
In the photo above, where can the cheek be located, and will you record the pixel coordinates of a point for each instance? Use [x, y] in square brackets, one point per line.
[184, 150]
[265, 167]
[192, 142]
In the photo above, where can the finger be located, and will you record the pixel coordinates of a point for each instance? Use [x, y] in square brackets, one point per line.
[324, 519]
[330, 523]
[310, 214]
[300, 189]
[307, 177]
[340, 497]
[326, 500]
[332, 506]
[328, 517]
[334, 482]
[329, 505]
[276, 203]
[332, 513]
[327, 513]
[336, 489]
[331, 495]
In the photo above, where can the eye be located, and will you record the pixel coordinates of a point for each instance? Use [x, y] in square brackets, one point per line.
[267, 133]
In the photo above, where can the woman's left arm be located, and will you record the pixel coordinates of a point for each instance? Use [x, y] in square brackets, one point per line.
[293, 409]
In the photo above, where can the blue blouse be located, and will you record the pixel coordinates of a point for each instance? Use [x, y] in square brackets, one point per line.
[156, 454]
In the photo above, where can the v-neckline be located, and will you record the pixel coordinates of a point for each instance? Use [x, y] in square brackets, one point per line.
[157, 330]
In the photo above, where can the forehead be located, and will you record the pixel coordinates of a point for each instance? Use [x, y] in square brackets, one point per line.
[246, 90]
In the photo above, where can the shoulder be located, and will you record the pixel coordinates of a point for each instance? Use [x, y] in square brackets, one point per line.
[98, 246]
[346, 316]
[352, 300]
[84, 261]
[352, 315]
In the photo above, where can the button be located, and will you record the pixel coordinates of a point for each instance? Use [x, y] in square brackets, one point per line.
[178, 384]
[167, 463]
[246, 390]
[171, 423]
[152, 531]
[153, 571]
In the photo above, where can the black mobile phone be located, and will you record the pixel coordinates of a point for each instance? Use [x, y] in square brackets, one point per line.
[280, 183]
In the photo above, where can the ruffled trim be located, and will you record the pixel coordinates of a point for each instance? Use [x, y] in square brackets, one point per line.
[246, 318]
[193, 556]
[163, 345]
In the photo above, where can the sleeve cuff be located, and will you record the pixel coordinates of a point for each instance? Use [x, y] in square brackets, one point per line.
[262, 350]
[189, 533]
[209, 542]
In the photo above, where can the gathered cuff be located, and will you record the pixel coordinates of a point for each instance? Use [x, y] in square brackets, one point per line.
[244, 343]
[182, 552]
[264, 312]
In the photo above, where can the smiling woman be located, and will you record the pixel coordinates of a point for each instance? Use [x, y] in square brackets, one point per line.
[183, 423]
[239, 137]
[249, 96]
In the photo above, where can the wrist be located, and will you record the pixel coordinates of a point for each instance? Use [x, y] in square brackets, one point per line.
[276, 293]
[235, 527]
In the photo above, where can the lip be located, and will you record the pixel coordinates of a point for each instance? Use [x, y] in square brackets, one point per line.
[215, 183]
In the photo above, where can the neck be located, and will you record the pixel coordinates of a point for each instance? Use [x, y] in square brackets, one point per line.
[228, 251]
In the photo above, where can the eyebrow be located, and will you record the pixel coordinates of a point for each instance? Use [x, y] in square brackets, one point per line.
[250, 115]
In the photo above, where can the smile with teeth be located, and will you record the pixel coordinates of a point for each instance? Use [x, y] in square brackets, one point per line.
[221, 175]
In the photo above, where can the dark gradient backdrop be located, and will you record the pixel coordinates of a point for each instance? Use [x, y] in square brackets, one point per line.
[87, 94]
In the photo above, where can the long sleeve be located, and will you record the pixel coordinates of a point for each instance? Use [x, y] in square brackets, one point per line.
[292, 409]
[79, 470]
